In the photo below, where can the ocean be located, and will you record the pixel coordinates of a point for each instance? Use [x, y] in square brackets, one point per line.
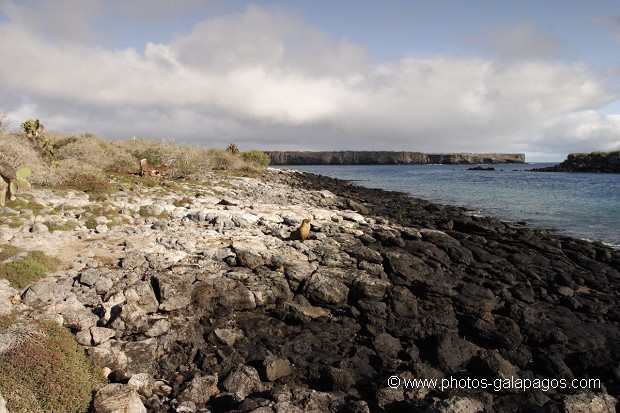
[582, 205]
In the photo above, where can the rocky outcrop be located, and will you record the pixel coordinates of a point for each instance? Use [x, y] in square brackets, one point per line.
[587, 162]
[207, 306]
[389, 158]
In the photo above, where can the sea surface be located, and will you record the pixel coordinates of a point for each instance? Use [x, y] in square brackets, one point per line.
[583, 205]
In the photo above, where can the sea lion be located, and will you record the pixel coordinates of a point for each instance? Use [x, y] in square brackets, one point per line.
[302, 232]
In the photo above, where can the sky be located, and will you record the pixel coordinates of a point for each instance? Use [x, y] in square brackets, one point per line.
[541, 77]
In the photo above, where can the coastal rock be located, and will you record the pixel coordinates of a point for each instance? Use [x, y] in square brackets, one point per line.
[111, 358]
[3, 405]
[324, 289]
[224, 293]
[8, 297]
[44, 293]
[275, 368]
[200, 390]
[118, 398]
[587, 162]
[175, 290]
[242, 381]
[589, 403]
[458, 405]
[143, 383]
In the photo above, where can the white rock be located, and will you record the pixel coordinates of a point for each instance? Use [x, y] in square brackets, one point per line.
[101, 334]
[589, 403]
[39, 228]
[228, 336]
[118, 398]
[143, 383]
[3, 405]
[159, 328]
[353, 216]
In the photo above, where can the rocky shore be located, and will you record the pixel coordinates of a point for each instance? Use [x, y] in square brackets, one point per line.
[193, 299]
[605, 162]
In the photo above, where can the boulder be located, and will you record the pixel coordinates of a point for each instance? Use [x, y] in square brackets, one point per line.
[324, 290]
[45, 292]
[175, 290]
[118, 398]
[242, 381]
[200, 389]
[458, 405]
[274, 368]
[589, 403]
[8, 297]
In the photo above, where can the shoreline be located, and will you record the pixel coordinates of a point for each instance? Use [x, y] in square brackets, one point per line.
[192, 302]
[559, 230]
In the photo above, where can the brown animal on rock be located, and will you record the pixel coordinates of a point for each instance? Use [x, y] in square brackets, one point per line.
[302, 233]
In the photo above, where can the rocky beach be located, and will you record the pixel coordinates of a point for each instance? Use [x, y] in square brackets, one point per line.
[192, 298]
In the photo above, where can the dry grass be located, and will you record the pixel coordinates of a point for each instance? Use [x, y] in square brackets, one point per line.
[85, 162]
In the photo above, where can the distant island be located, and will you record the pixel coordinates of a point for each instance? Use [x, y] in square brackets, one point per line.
[389, 158]
[608, 162]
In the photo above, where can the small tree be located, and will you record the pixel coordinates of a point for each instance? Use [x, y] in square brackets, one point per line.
[34, 131]
[233, 149]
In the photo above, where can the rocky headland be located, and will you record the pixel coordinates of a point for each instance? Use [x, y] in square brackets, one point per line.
[607, 162]
[389, 158]
[193, 299]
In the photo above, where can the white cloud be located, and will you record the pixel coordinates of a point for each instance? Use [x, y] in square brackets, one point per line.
[583, 131]
[267, 79]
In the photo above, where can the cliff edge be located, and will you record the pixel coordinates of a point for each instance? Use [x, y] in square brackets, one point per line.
[608, 162]
[388, 158]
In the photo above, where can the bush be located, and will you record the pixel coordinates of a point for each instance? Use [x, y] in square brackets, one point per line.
[259, 158]
[21, 273]
[47, 371]
[96, 152]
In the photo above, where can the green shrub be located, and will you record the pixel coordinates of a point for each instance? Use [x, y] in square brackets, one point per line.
[24, 272]
[99, 153]
[259, 158]
[47, 372]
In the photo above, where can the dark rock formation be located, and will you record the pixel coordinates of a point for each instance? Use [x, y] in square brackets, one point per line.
[389, 158]
[481, 168]
[587, 162]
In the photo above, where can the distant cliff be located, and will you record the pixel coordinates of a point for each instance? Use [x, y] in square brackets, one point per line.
[389, 158]
[587, 162]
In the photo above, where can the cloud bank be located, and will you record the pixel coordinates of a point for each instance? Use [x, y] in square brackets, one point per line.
[266, 79]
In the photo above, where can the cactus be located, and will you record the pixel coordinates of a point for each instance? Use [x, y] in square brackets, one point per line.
[33, 128]
[34, 131]
[12, 181]
[233, 149]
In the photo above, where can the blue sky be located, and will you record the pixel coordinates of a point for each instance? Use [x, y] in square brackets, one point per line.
[540, 77]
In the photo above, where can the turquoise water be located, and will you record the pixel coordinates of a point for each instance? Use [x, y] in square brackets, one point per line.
[584, 205]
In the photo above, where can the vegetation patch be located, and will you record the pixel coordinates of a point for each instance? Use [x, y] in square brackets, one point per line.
[26, 201]
[64, 226]
[47, 371]
[258, 158]
[23, 272]
[146, 211]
